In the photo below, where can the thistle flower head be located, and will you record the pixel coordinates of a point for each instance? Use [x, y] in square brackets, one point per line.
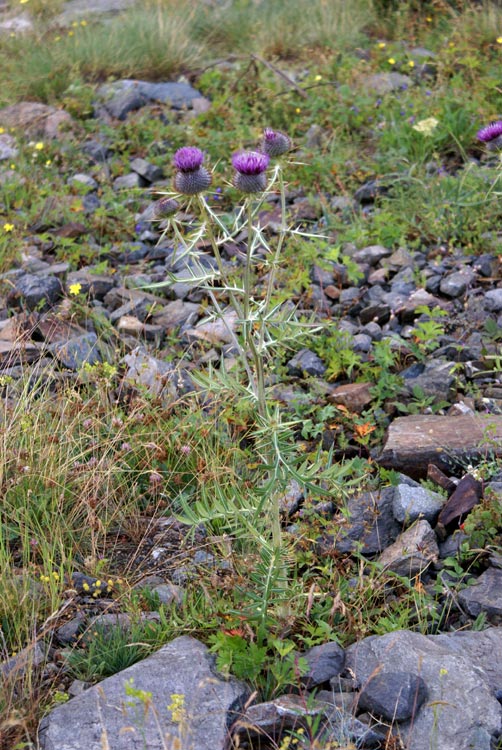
[191, 177]
[491, 135]
[193, 181]
[250, 168]
[165, 207]
[188, 159]
[275, 143]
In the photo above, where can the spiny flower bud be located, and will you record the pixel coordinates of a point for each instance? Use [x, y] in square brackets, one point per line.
[165, 207]
[275, 143]
[250, 168]
[191, 177]
[491, 135]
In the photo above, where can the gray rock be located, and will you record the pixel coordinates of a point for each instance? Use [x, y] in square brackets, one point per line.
[384, 83]
[36, 119]
[121, 97]
[306, 362]
[456, 283]
[437, 379]
[372, 254]
[325, 662]
[395, 696]
[411, 503]
[484, 595]
[95, 286]
[127, 181]
[461, 701]
[168, 593]
[370, 190]
[154, 375]
[24, 661]
[273, 718]
[361, 342]
[97, 151]
[83, 180]
[37, 292]
[176, 313]
[68, 633]
[8, 149]
[107, 714]
[150, 172]
[368, 522]
[493, 300]
[19, 24]
[77, 9]
[412, 552]
[78, 351]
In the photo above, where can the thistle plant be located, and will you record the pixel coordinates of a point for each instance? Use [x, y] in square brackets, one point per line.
[261, 329]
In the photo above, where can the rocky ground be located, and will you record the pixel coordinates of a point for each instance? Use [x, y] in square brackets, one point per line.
[443, 424]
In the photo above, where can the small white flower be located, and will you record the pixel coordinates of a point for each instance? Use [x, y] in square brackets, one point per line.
[427, 126]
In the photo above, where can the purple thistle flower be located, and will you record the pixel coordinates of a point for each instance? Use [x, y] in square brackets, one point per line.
[188, 159]
[250, 168]
[191, 177]
[491, 135]
[275, 143]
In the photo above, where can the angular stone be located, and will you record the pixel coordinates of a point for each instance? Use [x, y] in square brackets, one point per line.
[485, 595]
[395, 696]
[372, 254]
[37, 292]
[131, 180]
[367, 523]
[306, 362]
[154, 375]
[411, 503]
[83, 180]
[176, 313]
[108, 715]
[77, 9]
[456, 283]
[150, 172]
[493, 300]
[324, 661]
[8, 148]
[413, 442]
[412, 552]
[216, 331]
[384, 83]
[36, 119]
[77, 352]
[354, 396]
[460, 701]
[272, 719]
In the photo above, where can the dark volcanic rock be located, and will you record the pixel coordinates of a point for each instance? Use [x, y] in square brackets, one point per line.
[325, 661]
[396, 696]
[484, 595]
[368, 523]
[35, 292]
[306, 362]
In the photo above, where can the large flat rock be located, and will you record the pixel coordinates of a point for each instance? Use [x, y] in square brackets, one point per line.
[107, 716]
[414, 442]
[461, 711]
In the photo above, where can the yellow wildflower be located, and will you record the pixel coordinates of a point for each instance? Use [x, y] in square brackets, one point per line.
[318, 78]
[2, 130]
[75, 289]
[382, 45]
[298, 110]
[499, 40]
[39, 146]
[83, 23]
[8, 227]
[391, 61]
[411, 64]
